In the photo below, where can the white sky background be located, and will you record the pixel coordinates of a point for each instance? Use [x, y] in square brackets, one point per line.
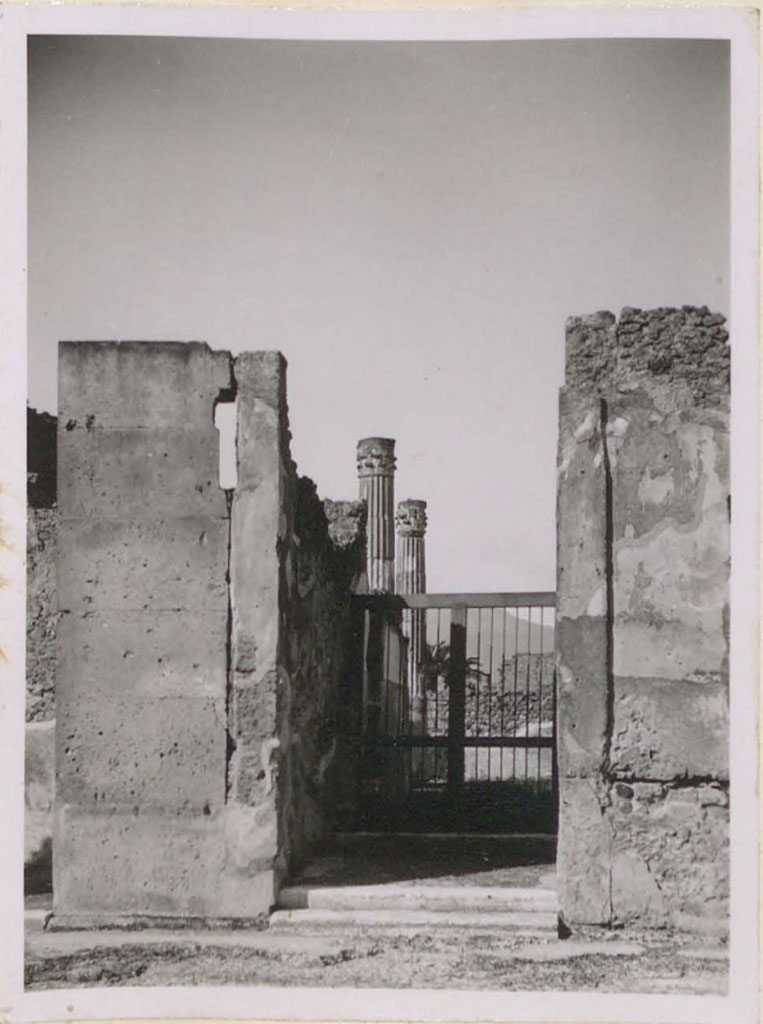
[410, 223]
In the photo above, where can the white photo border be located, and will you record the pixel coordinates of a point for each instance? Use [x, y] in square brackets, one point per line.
[740, 27]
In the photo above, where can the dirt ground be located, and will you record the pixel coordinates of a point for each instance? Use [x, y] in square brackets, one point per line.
[591, 959]
[393, 959]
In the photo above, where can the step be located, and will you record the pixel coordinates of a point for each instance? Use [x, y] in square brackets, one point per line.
[466, 898]
[520, 922]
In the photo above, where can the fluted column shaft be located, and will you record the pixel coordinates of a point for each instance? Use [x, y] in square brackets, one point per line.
[410, 571]
[376, 472]
[410, 578]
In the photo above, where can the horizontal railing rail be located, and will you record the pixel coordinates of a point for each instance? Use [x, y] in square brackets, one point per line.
[532, 599]
[517, 742]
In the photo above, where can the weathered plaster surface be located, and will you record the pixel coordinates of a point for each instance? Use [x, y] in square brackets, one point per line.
[141, 673]
[642, 628]
[201, 667]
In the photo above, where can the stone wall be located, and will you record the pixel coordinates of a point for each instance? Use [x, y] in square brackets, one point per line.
[41, 625]
[141, 684]
[201, 664]
[42, 609]
[290, 586]
[42, 614]
[322, 562]
[642, 619]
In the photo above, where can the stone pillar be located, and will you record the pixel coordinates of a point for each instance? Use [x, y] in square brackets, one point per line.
[260, 513]
[410, 578]
[201, 649]
[410, 568]
[376, 471]
[141, 674]
[642, 619]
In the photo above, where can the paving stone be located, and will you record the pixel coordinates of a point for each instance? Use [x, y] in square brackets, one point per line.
[62, 943]
[529, 922]
[469, 898]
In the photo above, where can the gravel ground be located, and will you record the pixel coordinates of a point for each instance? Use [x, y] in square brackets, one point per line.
[592, 960]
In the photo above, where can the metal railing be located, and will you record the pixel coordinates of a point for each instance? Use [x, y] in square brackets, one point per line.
[459, 689]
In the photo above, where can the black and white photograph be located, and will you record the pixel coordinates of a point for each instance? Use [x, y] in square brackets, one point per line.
[379, 633]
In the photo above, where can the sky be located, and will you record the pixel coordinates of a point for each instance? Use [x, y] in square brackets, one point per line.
[410, 223]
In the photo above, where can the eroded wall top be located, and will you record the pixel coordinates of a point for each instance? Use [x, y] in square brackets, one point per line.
[686, 347]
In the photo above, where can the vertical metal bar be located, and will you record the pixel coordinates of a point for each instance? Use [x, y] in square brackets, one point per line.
[527, 694]
[514, 695]
[503, 684]
[477, 680]
[490, 692]
[456, 699]
[540, 693]
[435, 758]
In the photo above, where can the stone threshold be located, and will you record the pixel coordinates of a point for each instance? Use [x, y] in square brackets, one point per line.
[138, 922]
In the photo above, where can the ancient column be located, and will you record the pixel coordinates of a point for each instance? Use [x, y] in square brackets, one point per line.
[376, 470]
[410, 578]
[410, 570]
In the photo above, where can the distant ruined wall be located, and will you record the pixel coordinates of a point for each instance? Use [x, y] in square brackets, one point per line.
[42, 608]
[42, 614]
[642, 619]
[200, 656]
[41, 626]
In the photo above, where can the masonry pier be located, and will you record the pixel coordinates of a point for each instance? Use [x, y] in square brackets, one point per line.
[202, 641]
[642, 619]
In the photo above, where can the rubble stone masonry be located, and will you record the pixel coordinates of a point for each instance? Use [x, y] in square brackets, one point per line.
[41, 626]
[642, 619]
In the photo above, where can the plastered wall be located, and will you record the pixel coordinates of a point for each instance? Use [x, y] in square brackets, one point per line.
[182, 680]
[642, 619]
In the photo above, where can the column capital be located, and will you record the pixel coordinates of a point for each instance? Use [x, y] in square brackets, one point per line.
[411, 518]
[376, 456]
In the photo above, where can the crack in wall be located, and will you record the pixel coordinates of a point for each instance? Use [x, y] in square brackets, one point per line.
[676, 782]
[228, 396]
[230, 742]
[610, 595]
